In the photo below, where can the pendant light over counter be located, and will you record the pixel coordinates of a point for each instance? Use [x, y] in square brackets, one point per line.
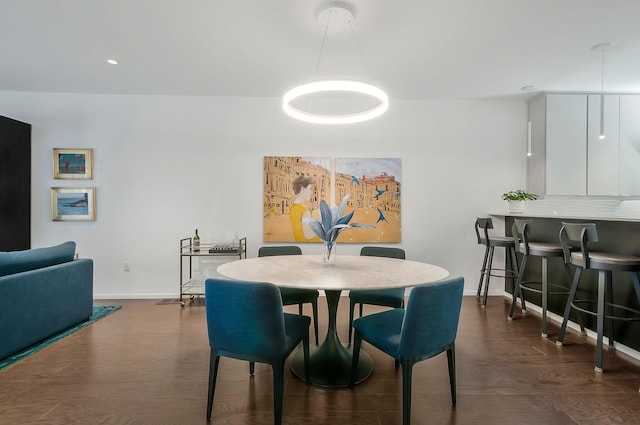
[326, 12]
[601, 47]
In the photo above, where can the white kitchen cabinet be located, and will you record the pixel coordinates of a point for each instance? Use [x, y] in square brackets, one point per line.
[566, 144]
[629, 145]
[603, 154]
[568, 156]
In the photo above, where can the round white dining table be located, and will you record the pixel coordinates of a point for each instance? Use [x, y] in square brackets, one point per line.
[331, 361]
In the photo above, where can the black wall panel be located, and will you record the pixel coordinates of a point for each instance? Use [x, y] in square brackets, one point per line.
[15, 185]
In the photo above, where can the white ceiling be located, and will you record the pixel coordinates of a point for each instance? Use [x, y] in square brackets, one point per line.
[261, 48]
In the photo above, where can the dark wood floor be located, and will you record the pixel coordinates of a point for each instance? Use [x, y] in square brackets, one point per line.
[147, 364]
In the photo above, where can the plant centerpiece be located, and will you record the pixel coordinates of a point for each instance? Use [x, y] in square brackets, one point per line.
[517, 199]
[332, 222]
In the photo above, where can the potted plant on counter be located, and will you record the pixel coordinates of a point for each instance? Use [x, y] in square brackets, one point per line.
[517, 200]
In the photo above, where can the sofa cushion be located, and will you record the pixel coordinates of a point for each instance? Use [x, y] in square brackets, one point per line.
[31, 259]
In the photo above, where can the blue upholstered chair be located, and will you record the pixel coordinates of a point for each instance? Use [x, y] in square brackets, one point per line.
[426, 328]
[245, 321]
[393, 297]
[291, 296]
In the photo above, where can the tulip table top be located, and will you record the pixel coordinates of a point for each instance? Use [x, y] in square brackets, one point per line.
[348, 272]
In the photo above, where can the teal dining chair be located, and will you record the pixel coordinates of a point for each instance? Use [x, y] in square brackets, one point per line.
[393, 297]
[425, 329]
[245, 321]
[292, 296]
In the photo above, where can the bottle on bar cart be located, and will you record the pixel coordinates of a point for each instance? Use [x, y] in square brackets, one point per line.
[196, 242]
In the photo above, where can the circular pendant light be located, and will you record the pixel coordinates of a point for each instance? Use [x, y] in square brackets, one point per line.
[344, 86]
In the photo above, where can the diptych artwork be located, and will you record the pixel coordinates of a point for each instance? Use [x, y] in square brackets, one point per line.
[294, 186]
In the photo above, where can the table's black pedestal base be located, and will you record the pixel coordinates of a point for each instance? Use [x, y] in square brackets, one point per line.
[331, 368]
[331, 361]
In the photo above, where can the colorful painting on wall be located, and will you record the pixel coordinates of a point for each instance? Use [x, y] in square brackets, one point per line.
[294, 186]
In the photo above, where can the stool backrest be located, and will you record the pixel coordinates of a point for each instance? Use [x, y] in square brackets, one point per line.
[521, 231]
[577, 235]
[484, 224]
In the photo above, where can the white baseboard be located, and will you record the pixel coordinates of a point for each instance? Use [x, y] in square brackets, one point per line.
[590, 334]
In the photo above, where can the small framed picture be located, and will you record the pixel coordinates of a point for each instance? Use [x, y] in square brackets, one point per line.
[73, 204]
[73, 164]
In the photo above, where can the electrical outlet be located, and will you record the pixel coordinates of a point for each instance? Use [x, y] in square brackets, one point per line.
[126, 266]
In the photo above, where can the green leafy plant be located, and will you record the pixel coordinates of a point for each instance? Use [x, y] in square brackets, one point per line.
[519, 195]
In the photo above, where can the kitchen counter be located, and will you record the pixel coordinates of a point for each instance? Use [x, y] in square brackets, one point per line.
[616, 234]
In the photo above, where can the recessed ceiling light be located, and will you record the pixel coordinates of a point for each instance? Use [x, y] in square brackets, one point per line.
[112, 61]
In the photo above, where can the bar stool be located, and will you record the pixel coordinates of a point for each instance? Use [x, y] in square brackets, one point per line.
[483, 224]
[580, 234]
[522, 230]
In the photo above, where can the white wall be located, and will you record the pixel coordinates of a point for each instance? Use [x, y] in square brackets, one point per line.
[165, 165]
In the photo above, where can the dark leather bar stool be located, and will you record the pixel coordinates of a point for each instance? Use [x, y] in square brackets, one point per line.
[579, 235]
[522, 230]
[483, 224]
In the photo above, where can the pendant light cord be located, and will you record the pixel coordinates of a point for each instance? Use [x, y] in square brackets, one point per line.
[324, 38]
[366, 65]
[602, 73]
[315, 73]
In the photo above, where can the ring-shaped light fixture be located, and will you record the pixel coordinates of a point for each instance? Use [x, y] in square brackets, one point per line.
[335, 86]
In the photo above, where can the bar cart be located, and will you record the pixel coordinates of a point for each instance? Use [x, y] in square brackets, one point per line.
[191, 288]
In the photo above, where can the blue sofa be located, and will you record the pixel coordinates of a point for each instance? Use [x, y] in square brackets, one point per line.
[42, 292]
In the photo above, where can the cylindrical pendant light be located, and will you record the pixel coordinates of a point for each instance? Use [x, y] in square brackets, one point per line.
[601, 47]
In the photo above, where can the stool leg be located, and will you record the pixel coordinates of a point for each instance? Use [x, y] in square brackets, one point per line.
[583, 332]
[488, 277]
[517, 288]
[636, 283]
[544, 296]
[600, 319]
[483, 270]
[567, 308]
[608, 308]
[515, 272]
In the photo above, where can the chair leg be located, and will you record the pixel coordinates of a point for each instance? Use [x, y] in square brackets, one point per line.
[214, 360]
[352, 307]
[300, 309]
[451, 361]
[487, 277]
[314, 306]
[600, 319]
[516, 288]
[252, 368]
[407, 369]
[307, 363]
[567, 308]
[357, 341]
[278, 390]
[483, 270]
